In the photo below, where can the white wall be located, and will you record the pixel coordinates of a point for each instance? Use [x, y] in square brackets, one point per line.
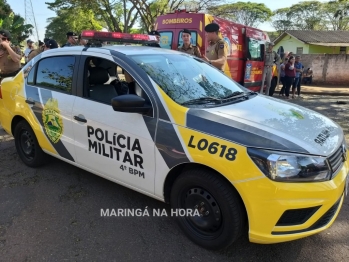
[290, 44]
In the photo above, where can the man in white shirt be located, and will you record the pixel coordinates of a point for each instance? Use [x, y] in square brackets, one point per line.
[28, 49]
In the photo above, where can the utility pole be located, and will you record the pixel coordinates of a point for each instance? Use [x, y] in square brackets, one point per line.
[30, 18]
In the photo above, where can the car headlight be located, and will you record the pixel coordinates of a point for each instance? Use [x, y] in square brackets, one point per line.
[287, 167]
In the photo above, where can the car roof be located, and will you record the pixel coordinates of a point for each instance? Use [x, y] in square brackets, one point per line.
[127, 50]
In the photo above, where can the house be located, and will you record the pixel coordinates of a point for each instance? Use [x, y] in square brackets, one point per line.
[313, 42]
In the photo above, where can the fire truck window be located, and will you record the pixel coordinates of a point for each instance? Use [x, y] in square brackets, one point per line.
[254, 52]
[192, 40]
[166, 39]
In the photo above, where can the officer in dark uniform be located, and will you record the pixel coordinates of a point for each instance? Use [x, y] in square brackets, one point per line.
[50, 44]
[217, 51]
[72, 39]
[10, 56]
[187, 47]
[157, 34]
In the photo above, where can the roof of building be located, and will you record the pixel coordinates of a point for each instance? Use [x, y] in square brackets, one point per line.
[325, 38]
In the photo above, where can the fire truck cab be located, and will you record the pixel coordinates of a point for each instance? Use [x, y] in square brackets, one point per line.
[246, 45]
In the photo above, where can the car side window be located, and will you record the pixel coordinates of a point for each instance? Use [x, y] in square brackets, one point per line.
[56, 73]
[30, 77]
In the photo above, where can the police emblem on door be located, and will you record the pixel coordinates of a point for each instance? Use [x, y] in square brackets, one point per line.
[52, 120]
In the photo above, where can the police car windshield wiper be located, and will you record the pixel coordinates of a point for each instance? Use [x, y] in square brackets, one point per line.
[236, 94]
[202, 100]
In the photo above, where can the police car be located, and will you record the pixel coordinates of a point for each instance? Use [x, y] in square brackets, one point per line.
[174, 128]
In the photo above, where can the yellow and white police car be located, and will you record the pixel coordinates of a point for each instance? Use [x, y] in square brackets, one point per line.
[172, 127]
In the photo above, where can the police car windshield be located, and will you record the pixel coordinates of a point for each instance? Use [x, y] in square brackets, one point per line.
[184, 78]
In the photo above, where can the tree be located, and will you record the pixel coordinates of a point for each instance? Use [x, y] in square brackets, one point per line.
[306, 15]
[118, 15]
[66, 21]
[246, 13]
[281, 20]
[18, 29]
[337, 14]
[14, 23]
[5, 10]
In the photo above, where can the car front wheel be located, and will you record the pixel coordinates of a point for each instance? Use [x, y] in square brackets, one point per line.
[27, 145]
[218, 215]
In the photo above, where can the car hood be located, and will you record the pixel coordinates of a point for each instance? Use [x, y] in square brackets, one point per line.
[266, 122]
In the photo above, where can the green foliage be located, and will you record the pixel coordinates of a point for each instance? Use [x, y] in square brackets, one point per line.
[312, 15]
[16, 26]
[115, 14]
[246, 13]
[75, 21]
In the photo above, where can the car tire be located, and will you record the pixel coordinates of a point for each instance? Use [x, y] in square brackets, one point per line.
[222, 217]
[27, 145]
[272, 86]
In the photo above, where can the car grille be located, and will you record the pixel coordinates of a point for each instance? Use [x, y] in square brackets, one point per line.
[294, 217]
[337, 158]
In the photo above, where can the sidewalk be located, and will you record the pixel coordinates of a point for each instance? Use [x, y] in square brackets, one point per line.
[317, 90]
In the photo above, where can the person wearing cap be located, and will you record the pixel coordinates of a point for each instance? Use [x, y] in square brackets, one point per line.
[10, 56]
[158, 36]
[217, 51]
[28, 49]
[72, 39]
[187, 47]
[270, 58]
[50, 44]
[37, 51]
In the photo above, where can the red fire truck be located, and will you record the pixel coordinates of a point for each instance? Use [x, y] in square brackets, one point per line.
[246, 45]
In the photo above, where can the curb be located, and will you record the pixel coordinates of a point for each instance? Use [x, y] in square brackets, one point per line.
[324, 93]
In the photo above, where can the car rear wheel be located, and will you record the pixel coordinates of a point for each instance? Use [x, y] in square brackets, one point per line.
[27, 145]
[221, 218]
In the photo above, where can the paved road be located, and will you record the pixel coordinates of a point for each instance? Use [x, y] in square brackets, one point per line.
[53, 214]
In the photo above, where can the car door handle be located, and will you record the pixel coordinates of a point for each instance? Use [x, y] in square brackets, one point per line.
[77, 118]
[30, 102]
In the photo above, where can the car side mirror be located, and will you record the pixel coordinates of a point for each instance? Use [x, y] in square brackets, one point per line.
[130, 104]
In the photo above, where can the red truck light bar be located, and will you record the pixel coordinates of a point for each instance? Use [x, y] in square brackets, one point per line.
[117, 37]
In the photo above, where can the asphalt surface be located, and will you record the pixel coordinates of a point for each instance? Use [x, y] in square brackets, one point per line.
[53, 214]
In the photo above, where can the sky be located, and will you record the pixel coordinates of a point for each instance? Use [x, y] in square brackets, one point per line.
[41, 12]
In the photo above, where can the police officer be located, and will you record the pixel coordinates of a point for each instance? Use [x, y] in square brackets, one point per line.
[50, 44]
[187, 47]
[270, 57]
[217, 51]
[158, 36]
[37, 51]
[72, 39]
[10, 56]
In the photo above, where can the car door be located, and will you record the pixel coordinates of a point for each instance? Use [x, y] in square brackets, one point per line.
[48, 90]
[115, 145]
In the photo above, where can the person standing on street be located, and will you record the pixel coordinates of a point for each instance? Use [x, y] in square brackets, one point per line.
[290, 74]
[37, 51]
[282, 76]
[217, 51]
[299, 68]
[187, 47]
[72, 39]
[270, 57]
[10, 56]
[28, 50]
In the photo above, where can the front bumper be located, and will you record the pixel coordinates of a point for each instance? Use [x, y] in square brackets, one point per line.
[280, 212]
